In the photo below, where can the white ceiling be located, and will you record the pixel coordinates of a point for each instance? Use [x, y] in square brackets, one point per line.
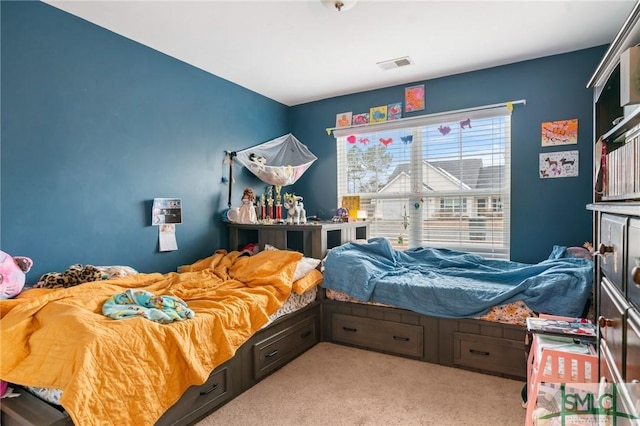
[298, 51]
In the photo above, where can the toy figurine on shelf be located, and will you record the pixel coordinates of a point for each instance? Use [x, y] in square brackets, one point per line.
[247, 212]
[296, 214]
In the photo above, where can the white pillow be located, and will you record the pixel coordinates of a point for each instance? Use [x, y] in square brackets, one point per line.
[305, 265]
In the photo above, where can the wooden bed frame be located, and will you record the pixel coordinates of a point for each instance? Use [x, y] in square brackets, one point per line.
[477, 345]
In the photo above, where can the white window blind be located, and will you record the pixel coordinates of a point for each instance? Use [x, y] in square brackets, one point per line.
[439, 180]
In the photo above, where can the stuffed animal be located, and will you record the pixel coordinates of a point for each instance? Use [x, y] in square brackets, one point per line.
[296, 214]
[258, 162]
[74, 275]
[12, 274]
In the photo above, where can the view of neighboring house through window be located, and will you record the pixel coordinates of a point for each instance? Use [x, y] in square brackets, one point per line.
[440, 180]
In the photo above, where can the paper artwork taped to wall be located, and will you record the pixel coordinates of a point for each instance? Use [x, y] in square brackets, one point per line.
[414, 98]
[343, 119]
[394, 111]
[360, 119]
[563, 132]
[378, 114]
[166, 210]
[558, 164]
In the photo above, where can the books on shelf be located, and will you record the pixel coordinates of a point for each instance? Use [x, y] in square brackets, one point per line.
[623, 168]
[580, 328]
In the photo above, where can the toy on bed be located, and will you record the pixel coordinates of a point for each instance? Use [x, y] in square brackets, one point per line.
[13, 270]
[12, 278]
[78, 274]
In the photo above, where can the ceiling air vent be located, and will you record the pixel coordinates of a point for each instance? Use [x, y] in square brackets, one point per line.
[395, 63]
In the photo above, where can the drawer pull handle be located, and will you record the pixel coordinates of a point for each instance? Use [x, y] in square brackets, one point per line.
[476, 352]
[306, 334]
[404, 339]
[349, 329]
[635, 273]
[604, 322]
[272, 354]
[214, 387]
[602, 249]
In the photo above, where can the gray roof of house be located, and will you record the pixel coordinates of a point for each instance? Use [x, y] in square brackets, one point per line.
[469, 170]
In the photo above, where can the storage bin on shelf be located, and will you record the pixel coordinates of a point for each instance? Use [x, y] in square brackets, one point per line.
[555, 360]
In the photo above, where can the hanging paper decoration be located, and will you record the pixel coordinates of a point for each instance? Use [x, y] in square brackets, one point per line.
[386, 142]
[407, 139]
[465, 123]
[351, 139]
[364, 141]
[444, 130]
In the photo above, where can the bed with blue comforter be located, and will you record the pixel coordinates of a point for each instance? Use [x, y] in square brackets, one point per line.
[453, 284]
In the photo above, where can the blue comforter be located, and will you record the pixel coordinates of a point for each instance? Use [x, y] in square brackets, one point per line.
[453, 284]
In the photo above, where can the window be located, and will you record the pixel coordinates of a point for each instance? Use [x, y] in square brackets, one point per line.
[440, 180]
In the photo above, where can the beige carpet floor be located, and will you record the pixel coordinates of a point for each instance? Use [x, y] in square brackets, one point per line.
[338, 385]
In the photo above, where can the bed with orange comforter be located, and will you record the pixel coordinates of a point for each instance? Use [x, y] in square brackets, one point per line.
[130, 371]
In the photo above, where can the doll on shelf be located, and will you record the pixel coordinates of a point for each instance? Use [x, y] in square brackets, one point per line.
[247, 212]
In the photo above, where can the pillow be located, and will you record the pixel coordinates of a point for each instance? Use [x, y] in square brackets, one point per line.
[307, 282]
[305, 265]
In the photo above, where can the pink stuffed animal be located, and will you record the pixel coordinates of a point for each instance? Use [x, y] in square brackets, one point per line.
[12, 277]
[12, 274]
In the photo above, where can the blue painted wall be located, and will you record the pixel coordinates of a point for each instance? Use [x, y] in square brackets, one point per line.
[94, 126]
[544, 212]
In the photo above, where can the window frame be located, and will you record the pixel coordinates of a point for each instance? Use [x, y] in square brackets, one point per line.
[496, 203]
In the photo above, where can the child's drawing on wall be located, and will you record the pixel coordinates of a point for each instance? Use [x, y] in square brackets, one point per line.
[558, 164]
[564, 132]
[343, 119]
[414, 98]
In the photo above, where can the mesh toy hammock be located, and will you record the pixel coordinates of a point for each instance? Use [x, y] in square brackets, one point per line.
[280, 161]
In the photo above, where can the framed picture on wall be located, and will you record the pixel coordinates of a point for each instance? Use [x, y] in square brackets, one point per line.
[360, 119]
[558, 164]
[563, 132]
[414, 98]
[378, 114]
[394, 111]
[343, 119]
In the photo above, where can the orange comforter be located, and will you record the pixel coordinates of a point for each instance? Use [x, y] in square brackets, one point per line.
[128, 372]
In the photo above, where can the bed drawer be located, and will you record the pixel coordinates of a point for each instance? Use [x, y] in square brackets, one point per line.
[388, 336]
[28, 409]
[198, 400]
[277, 350]
[489, 353]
